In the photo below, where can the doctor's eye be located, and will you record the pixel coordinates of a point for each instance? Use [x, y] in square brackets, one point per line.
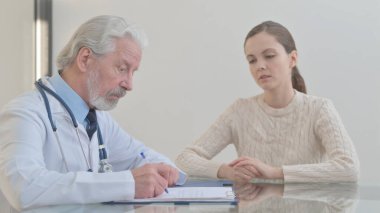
[123, 69]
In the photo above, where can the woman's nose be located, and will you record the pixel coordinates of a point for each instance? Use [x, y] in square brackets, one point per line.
[261, 66]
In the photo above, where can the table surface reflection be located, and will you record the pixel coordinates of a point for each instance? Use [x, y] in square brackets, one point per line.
[310, 197]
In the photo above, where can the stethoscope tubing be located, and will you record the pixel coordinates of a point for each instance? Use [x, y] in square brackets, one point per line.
[102, 151]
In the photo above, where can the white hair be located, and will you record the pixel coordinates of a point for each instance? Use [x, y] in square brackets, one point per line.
[99, 34]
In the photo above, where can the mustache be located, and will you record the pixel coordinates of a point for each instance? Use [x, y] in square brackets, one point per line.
[119, 92]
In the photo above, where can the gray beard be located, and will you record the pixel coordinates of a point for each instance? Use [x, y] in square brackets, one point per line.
[100, 102]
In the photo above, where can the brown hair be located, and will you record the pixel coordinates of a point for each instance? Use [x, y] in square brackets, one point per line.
[284, 37]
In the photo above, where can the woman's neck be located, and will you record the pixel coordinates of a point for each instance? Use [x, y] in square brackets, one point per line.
[279, 98]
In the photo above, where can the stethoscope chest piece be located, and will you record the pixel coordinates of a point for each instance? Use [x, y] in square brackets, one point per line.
[104, 166]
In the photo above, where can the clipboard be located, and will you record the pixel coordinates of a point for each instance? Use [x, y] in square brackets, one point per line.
[188, 195]
[203, 182]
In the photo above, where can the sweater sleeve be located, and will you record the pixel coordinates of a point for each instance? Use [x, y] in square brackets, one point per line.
[341, 163]
[195, 159]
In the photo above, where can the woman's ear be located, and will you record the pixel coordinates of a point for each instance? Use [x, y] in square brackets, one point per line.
[293, 58]
[83, 58]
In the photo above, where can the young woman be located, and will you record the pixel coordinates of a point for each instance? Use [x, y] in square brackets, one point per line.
[280, 134]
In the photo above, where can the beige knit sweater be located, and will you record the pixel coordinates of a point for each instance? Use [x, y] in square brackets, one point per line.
[306, 138]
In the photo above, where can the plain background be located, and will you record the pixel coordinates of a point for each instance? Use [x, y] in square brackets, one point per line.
[16, 48]
[194, 67]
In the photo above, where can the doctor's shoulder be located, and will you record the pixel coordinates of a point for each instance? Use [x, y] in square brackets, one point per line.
[28, 104]
[27, 100]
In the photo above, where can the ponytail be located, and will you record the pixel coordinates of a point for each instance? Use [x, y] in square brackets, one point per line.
[297, 81]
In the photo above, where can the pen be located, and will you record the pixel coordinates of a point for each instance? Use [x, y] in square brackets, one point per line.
[146, 160]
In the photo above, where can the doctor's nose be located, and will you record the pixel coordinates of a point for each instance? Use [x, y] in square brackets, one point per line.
[127, 83]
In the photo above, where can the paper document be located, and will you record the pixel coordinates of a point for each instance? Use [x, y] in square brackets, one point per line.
[189, 195]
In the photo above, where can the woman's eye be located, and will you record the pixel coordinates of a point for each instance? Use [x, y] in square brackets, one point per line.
[270, 56]
[252, 61]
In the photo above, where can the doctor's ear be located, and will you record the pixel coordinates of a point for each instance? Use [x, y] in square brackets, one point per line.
[83, 58]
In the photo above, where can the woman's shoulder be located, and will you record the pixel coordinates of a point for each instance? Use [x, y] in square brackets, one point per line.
[248, 101]
[243, 105]
[317, 104]
[313, 99]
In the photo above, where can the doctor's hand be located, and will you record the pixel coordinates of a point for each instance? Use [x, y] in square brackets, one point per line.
[262, 169]
[152, 179]
[170, 173]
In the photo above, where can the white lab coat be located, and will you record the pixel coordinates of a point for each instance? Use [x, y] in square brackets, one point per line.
[32, 172]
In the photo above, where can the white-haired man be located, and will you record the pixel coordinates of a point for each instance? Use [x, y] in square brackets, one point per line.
[59, 146]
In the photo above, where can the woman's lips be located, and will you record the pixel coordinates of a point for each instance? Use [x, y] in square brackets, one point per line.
[263, 77]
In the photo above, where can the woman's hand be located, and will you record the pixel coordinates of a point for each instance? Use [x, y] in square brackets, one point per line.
[238, 174]
[262, 170]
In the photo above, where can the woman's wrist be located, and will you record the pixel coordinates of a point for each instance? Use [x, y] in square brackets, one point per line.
[224, 172]
[278, 173]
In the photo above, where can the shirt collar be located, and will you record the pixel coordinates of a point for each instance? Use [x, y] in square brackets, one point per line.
[77, 105]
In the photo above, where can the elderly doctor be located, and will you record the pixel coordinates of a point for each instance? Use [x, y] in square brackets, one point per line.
[58, 145]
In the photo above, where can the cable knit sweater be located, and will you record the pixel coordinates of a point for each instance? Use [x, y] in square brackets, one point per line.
[306, 138]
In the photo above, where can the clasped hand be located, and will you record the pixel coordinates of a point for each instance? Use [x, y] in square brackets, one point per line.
[257, 192]
[152, 179]
[245, 169]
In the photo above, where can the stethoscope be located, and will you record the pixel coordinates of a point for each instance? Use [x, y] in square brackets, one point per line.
[104, 166]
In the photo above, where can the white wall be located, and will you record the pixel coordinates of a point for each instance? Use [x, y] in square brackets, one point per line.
[16, 54]
[194, 67]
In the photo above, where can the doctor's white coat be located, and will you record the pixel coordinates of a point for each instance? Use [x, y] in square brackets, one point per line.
[32, 170]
